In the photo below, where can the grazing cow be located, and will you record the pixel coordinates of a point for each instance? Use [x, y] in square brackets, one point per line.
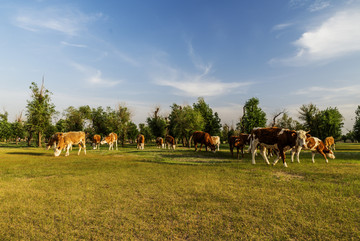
[204, 139]
[110, 139]
[330, 143]
[216, 140]
[160, 142]
[170, 142]
[313, 144]
[66, 140]
[277, 138]
[140, 142]
[96, 142]
[239, 142]
[53, 141]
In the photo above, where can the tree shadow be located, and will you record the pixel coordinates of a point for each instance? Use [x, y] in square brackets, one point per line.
[26, 153]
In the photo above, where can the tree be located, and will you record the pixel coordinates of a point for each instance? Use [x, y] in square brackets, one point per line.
[212, 121]
[321, 123]
[39, 111]
[145, 130]
[5, 127]
[157, 124]
[253, 116]
[123, 118]
[287, 122]
[183, 121]
[132, 131]
[356, 129]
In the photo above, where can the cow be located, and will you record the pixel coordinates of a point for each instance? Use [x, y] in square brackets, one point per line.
[66, 140]
[140, 142]
[110, 139]
[53, 141]
[170, 142]
[277, 138]
[96, 142]
[216, 140]
[239, 142]
[204, 139]
[160, 142]
[313, 144]
[330, 143]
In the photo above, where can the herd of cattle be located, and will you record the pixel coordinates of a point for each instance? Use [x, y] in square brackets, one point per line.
[270, 140]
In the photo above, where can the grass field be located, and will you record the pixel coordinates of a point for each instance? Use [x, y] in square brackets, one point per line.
[162, 195]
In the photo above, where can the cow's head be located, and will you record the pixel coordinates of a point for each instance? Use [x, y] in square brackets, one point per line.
[301, 138]
[331, 154]
[212, 147]
[103, 141]
[60, 145]
[94, 145]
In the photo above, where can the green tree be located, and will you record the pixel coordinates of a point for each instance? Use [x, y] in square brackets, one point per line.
[356, 128]
[212, 120]
[132, 131]
[321, 123]
[5, 127]
[157, 124]
[146, 131]
[253, 116]
[123, 119]
[287, 122]
[39, 111]
[183, 121]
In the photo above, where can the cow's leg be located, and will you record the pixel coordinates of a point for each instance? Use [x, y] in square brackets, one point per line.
[242, 151]
[312, 156]
[323, 154]
[79, 148]
[195, 144]
[116, 145]
[237, 153]
[231, 150]
[84, 146]
[277, 158]
[67, 150]
[263, 154]
[253, 145]
[282, 154]
[201, 146]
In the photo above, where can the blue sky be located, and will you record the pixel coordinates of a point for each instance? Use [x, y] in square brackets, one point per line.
[155, 53]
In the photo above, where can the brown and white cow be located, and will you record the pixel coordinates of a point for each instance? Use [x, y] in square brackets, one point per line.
[204, 139]
[216, 140]
[53, 141]
[313, 144]
[110, 139]
[140, 142]
[277, 138]
[96, 142]
[160, 142]
[239, 142]
[170, 142]
[330, 143]
[66, 140]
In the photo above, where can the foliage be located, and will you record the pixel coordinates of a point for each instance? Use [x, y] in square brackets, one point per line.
[5, 127]
[132, 131]
[157, 124]
[253, 116]
[356, 128]
[212, 121]
[39, 111]
[321, 123]
[287, 122]
[146, 131]
[183, 121]
[226, 132]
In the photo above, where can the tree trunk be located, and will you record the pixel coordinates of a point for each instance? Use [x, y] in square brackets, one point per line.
[39, 141]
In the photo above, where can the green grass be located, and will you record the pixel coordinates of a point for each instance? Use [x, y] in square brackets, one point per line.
[159, 194]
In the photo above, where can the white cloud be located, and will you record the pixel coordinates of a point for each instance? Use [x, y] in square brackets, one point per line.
[336, 37]
[67, 21]
[73, 45]
[281, 26]
[319, 5]
[94, 76]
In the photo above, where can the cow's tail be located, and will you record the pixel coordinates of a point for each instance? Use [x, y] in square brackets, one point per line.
[250, 138]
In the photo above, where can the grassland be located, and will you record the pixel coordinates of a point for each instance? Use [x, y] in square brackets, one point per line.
[162, 195]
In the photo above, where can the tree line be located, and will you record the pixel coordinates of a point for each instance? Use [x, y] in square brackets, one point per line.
[40, 122]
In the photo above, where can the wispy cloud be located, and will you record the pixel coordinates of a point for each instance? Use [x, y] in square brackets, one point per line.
[319, 5]
[94, 76]
[281, 26]
[199, 83]
[73, 45]
[310, 5]
[64, 20]
[337, 36]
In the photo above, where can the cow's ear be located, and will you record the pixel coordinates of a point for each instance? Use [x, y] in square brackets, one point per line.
[308, 135]
[293, 134]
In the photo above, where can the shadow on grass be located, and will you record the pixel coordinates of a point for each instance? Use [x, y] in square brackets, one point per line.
[27, 153]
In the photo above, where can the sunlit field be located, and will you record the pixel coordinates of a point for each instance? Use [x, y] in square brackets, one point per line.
[157, 194]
